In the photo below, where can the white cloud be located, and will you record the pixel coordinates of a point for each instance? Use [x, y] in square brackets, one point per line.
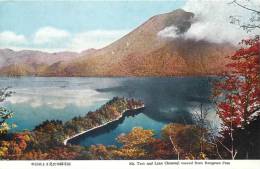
[51, 39]
[78, 41]
[9, 38]
[169, 31]
[212, 21]
[50, 35]
[95, 39]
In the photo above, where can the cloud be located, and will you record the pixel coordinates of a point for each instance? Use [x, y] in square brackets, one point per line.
[212, 22]
[52, 39]
[169, 31]
[50, 35]
[9, 38]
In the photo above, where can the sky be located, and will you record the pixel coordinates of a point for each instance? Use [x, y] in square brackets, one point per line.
[79, 25]
[212, 21]
[74, 26]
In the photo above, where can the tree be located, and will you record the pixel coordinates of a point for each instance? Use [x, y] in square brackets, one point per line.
[247, 140]
[238, 92]
[5, 114]
[100, 152]
[62, 153]
[200, 116]
[135, 144]
[184, 139]
[14, 146]
[160, 150]
[253, 20]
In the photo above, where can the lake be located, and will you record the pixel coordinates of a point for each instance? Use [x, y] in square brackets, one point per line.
[166, 99]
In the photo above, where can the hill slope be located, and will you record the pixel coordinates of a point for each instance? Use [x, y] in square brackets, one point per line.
[143, 52]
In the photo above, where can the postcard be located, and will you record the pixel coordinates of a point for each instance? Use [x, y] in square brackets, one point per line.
[130, 84]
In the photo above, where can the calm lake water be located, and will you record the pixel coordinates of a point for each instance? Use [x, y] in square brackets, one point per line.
[167, 100]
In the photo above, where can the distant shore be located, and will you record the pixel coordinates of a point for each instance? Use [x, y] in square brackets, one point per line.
[102, 125]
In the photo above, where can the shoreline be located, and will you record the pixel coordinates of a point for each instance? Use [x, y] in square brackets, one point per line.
[86, 131]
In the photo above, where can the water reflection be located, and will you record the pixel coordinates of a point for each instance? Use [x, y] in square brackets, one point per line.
[166, 100]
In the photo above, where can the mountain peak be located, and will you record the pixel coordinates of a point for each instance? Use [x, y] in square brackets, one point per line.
[179, 18]
[179, 10]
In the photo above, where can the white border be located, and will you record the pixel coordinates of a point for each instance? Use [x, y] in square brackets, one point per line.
[125, 164]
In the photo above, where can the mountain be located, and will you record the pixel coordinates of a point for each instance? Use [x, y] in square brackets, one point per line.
[9, 57]
[28, 62]
[143, 52]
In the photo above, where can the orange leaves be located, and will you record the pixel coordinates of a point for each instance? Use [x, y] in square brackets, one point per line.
[3, 148]
[14, 148]
[130, 153]
[34, 155]
[137, 136]
[61, 153]
[99, 152]
[134, 143]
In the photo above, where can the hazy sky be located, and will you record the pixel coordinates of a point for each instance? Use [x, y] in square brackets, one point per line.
[80, 25]
[73, 25]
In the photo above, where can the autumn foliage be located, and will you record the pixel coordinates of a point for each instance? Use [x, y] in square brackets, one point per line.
[239, 90]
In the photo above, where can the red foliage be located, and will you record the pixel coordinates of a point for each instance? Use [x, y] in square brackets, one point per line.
[239, 90]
